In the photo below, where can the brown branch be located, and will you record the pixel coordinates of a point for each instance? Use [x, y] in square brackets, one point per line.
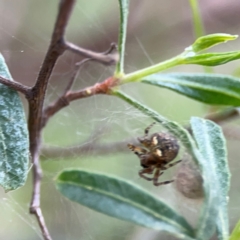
[223, 116]
[74, 75]
[220, 117]
[64, 100]
[94, 148]
[68, 96]
[107, 58]
[61, 101]
[89, 145]
[56, 48]
[16, 86]
[37, 117]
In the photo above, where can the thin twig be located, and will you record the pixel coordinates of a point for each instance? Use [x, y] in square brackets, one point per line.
[90, 145]
[74, 75]
[223, 116]
[16, 86]
[95, 149]
[108, 59]
[68, 96]
[62, 101]
[99, 88]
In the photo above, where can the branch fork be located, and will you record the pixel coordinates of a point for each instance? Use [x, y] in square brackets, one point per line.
[35, 95]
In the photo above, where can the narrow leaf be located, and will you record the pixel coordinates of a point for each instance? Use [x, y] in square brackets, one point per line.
[14, 144]
[123, 5]
[208, 41]
[236, 232]
[212, 146]
[121, 199]
[208, 88]
[210, 59]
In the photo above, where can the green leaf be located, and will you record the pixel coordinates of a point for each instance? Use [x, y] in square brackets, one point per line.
[212, 146]
[209, 59]
[208, 41]
[236, 232]
[208, 88]
[121, 199]
[123, 5]
[14, 143]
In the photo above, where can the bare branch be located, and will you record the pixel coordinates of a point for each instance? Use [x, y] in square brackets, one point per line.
[108, 58]
[74, 75]
[225, 115]
[56, 48]
[41, 222]
[16, 86]
[63, 101]
[96, 149]
[69, 96]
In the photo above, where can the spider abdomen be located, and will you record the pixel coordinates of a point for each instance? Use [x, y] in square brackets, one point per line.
[165, 146]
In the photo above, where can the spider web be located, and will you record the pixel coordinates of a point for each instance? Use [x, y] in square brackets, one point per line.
[99, 119]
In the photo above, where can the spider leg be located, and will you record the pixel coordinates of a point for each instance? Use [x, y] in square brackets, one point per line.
[148, 128]
[157, 174]
[137, 150]
[146, 171]
[171, 165]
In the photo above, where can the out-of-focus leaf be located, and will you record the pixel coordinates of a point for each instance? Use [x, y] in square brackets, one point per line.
[14, 143]
[121, 199]
[212, 146]
[123, 5]
[208, 88]
[236, 232]
[208, 41]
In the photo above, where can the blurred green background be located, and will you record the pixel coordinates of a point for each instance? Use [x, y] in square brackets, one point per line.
[157, 30]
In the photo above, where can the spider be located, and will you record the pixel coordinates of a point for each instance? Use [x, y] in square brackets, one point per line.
[157, 152]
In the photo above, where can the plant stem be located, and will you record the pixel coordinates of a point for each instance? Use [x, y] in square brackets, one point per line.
[16, 86]
[109, 57]
[56, 48]
[123, 5]
[197, 22]
[138, 75]
[198, 26]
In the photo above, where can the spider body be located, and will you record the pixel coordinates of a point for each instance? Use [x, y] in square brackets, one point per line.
[155, 154]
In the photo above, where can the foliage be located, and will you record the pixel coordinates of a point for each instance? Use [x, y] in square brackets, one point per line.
[117, 197]
[121, 199]
[14, 144]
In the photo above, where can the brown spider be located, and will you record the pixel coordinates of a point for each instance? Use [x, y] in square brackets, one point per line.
[158, 150]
